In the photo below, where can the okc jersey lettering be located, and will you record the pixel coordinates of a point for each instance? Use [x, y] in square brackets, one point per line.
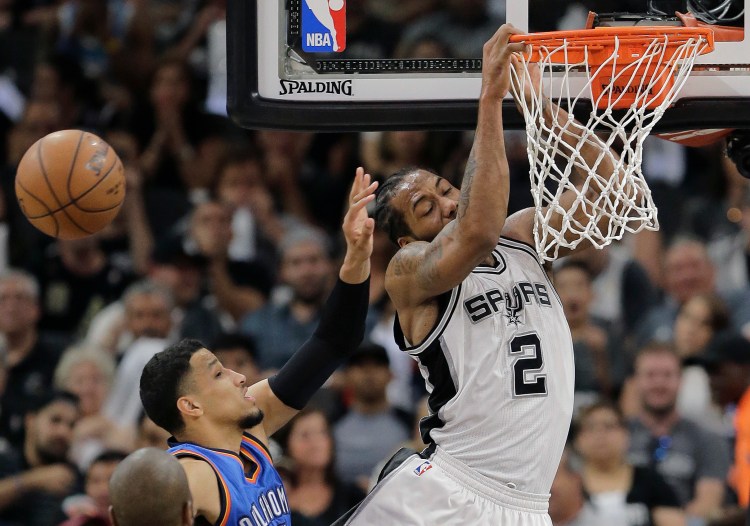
[323, 25]
[482, 306]
[256, 498]
[269, 506]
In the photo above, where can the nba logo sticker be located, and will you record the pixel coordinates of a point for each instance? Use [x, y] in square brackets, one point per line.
[323, 25]
[422, 468]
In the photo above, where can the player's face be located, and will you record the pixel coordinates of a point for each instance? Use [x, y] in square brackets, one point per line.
[657, 378]
[428, 203]
[240, 361]
[222, 393]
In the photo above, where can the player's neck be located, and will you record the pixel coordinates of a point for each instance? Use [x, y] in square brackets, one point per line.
[214, 438]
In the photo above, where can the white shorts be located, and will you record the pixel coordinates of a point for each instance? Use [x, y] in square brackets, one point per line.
[443, 492]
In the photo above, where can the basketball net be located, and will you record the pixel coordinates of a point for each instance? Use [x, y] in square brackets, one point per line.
[630, 84]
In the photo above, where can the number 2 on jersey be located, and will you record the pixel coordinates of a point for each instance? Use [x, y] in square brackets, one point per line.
[522, 345]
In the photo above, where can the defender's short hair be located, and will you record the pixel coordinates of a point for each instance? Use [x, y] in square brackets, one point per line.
[163, 382]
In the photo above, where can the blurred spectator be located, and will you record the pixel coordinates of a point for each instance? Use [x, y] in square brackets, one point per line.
[78, 280]
[693, 460]
[179, 141]
[371, 429]
[238, 353]
[149, 434]
[256, 226]
[620, 493]
[698, 321]
[129, 238]
[92, 507]
[148, 311]
[623, 292]
[25, 242]
[727, 361]
[317, 497]
[567, 501]
[238, 287]
[687, 271]
[183, 275]
[30, 358]
[599, 366]
[307, 269]
[464, 26]
[36, 478]
[731, 254]
[88, 374]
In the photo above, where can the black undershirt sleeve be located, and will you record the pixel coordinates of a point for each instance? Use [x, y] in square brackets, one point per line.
[339, 332]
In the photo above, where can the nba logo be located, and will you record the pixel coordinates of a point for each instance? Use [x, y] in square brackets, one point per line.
[323, 25]
[422, 468]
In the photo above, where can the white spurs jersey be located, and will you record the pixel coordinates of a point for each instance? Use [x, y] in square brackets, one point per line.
[499, 369]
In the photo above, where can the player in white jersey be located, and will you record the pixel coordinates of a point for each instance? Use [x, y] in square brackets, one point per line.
[481, 317]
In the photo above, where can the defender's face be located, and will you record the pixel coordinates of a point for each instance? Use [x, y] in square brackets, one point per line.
[222, 393]
[428, 203]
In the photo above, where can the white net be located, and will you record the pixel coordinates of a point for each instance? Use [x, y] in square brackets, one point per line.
[582, 189]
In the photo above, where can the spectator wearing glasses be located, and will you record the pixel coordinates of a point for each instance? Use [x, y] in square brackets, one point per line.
[620, 493]
[693, 460]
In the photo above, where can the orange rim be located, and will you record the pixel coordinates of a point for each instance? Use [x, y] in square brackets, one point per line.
[578, 44]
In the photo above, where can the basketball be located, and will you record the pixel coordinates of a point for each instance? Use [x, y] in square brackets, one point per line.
[70, 184]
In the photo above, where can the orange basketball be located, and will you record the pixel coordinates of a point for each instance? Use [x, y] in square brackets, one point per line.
[70, 184]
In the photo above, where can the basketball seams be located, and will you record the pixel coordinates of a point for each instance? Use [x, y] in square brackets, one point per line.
[72, 166]
[49, 213]
[93, 186]
[49, 185]
[74, 201]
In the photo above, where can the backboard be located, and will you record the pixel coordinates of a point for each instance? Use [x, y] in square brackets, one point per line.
[335, 65]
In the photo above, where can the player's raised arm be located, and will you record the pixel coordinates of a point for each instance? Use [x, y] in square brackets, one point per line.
[341, 327]
[443, 234]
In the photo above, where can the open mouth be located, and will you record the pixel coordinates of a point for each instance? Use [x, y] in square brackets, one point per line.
[248, 396]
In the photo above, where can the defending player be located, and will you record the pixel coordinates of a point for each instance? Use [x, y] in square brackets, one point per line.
[157, 482]
[221, 426]
[479, 313]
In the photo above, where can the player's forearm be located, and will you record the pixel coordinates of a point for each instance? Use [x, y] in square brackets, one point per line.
[483, 204]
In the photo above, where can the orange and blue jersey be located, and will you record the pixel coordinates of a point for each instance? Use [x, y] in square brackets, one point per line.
[253, 497]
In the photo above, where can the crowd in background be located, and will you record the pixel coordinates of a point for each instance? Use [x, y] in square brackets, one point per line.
[232, 236]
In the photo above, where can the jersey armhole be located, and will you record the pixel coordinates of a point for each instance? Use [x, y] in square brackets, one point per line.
[224, 498]
[446, 306]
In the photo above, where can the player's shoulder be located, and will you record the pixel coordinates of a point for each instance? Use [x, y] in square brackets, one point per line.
[406, 261]
[519, 226]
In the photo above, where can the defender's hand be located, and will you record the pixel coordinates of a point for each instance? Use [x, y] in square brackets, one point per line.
[358, 230]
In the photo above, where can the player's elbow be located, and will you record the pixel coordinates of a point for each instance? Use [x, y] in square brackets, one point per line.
[479, 242]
